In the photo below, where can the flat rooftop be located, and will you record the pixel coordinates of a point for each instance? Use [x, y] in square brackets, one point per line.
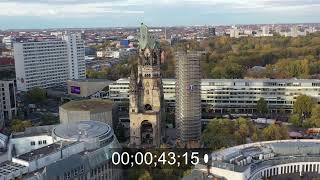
[8, 167]
[82, 130]
[91, 80]
[93, 105]
[34, 131]
[38, 153]
[238, 158]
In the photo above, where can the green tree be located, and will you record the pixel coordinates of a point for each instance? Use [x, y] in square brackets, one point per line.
[244, 129]
[36, 95]
[275, 132]
[19, 125]
[219, 133]
[314, 121]
[49, 119]
[262, 107]
[295, 120]
[303, 106]
[255, 137]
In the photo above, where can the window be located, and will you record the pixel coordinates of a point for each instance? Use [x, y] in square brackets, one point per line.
[39, 142]
[44, 141]
[33, 143]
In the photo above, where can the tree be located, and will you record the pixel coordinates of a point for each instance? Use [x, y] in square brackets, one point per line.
[275, 132]
[314, 121]
[255, 137]
[19, 125]
[244, 129]
[145, 176]
[303, 106]
[36, 95]
[295, 120]
[262, 107]
[49, 119]
[218, 134]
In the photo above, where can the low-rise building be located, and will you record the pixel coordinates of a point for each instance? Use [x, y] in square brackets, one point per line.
[86, 87]
[236, 96]
[95, 109]
[80, 150]
[262, 160]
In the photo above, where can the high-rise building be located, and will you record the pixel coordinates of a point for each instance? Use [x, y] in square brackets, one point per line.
[188, 100]
[211, 31]
[146, 94]
[7, 100]
[76, 55]
[49, 63]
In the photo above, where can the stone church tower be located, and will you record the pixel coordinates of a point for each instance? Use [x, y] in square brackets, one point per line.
[146, 94]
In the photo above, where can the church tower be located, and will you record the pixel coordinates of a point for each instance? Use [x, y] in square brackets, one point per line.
[146, 94]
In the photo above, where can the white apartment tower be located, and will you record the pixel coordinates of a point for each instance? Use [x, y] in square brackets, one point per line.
[49, 63]
[75, 50]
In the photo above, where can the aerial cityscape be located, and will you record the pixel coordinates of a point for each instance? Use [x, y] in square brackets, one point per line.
[148, 90]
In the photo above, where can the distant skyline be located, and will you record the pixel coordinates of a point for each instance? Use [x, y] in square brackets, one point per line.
[42, 14]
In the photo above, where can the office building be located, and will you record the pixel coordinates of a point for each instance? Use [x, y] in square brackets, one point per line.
[95, 109]
[48, 63]
[7, 101]
[283, 159]
[235, 96]
[80, 150]
[188, 99]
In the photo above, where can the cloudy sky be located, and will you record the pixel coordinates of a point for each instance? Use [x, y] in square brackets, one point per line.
[108, 13]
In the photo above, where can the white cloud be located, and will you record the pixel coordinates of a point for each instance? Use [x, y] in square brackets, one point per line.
[63, 10]
[89, 8]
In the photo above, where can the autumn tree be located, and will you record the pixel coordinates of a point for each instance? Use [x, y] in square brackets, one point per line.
[218, 134]
[303, 106]
[19, 125]
[275, 132]
[314, 120]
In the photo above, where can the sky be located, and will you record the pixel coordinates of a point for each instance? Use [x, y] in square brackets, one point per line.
[29, 14]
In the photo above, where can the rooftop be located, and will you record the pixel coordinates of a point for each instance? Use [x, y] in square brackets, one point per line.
[292, 80]
[82, 130]
[8, 167]
[239, 158]
[34, 131]
[37, 153]
[94, 105]
[92, 80]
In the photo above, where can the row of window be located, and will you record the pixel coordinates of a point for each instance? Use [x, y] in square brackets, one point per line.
[40, 142]
[74, 172]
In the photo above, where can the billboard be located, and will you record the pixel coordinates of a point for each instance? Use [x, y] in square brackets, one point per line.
[75, 90]
[124, 43]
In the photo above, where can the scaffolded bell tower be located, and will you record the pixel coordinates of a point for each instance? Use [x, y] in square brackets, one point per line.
[146, 94]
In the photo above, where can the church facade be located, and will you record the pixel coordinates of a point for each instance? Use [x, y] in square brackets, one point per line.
[146, 94]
